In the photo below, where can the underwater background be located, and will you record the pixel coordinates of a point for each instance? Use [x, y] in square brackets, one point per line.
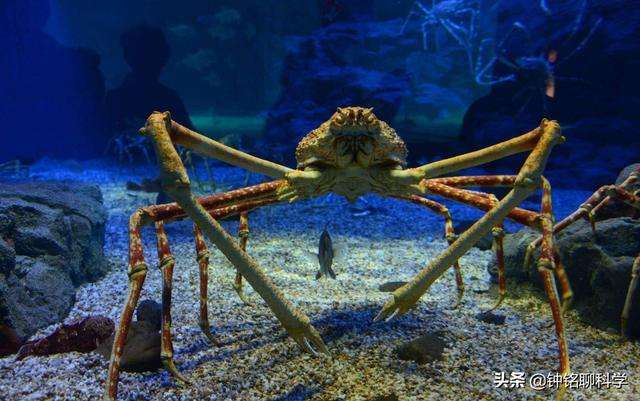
[79, 78]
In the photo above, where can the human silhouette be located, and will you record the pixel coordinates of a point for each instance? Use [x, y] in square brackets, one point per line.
[146, 51]
[51, 96]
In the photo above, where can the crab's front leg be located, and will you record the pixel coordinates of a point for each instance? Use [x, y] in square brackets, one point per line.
[176, 184]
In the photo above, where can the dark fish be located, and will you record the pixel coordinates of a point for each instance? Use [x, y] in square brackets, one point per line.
[326, 254]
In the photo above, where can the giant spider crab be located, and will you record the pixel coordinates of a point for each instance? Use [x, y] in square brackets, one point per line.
[351, 154]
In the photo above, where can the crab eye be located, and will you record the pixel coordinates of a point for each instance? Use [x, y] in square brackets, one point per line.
[391, 164]
[317, 165]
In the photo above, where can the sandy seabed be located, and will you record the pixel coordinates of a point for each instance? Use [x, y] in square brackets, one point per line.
[257, 360]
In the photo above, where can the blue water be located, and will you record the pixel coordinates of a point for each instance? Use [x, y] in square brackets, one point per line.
[78, 80]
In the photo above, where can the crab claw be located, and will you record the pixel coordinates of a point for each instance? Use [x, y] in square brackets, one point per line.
[388, 312]
[307, 337]
[398, 305]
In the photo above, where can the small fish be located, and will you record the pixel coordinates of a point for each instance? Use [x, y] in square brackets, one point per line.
[325, 256]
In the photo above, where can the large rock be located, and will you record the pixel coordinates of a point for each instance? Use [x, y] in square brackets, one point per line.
[424, 349]
[598, 267]
[51, 241]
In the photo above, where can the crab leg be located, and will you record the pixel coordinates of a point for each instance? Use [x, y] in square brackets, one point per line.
[585, 210]
[529, 178]
[411, 179]
[137, 273]
[628, 302]
[633, 177]
[202, 255]
[531, 219]
[206, 146]
[176, 183]
[243, 233]
[498, 236]
[598, 200]
[546, 267]
[486, 202]
[231, 202]
[497, 232]
[449, 234]
[479, 200]
[166, 263]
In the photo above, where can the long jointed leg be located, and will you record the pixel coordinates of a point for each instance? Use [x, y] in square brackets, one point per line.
[405, 297]
[552, 253]
[497, 233]
[633, 177]
[546, 268]
[449, 234]
[526, 182]
[243, 234]
[176, 183]
[137, 273]
[202, 254]
[166, 263]
[222, 204]
[498, 236]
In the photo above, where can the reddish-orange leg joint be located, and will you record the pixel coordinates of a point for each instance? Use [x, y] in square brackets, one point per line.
[546, 267]
[449, 234]
[166, 263]
[629, 181]
[484, 202]
[497, 232]
[567, 292]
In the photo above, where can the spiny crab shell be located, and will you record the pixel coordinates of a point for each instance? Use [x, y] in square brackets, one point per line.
[352, 137]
